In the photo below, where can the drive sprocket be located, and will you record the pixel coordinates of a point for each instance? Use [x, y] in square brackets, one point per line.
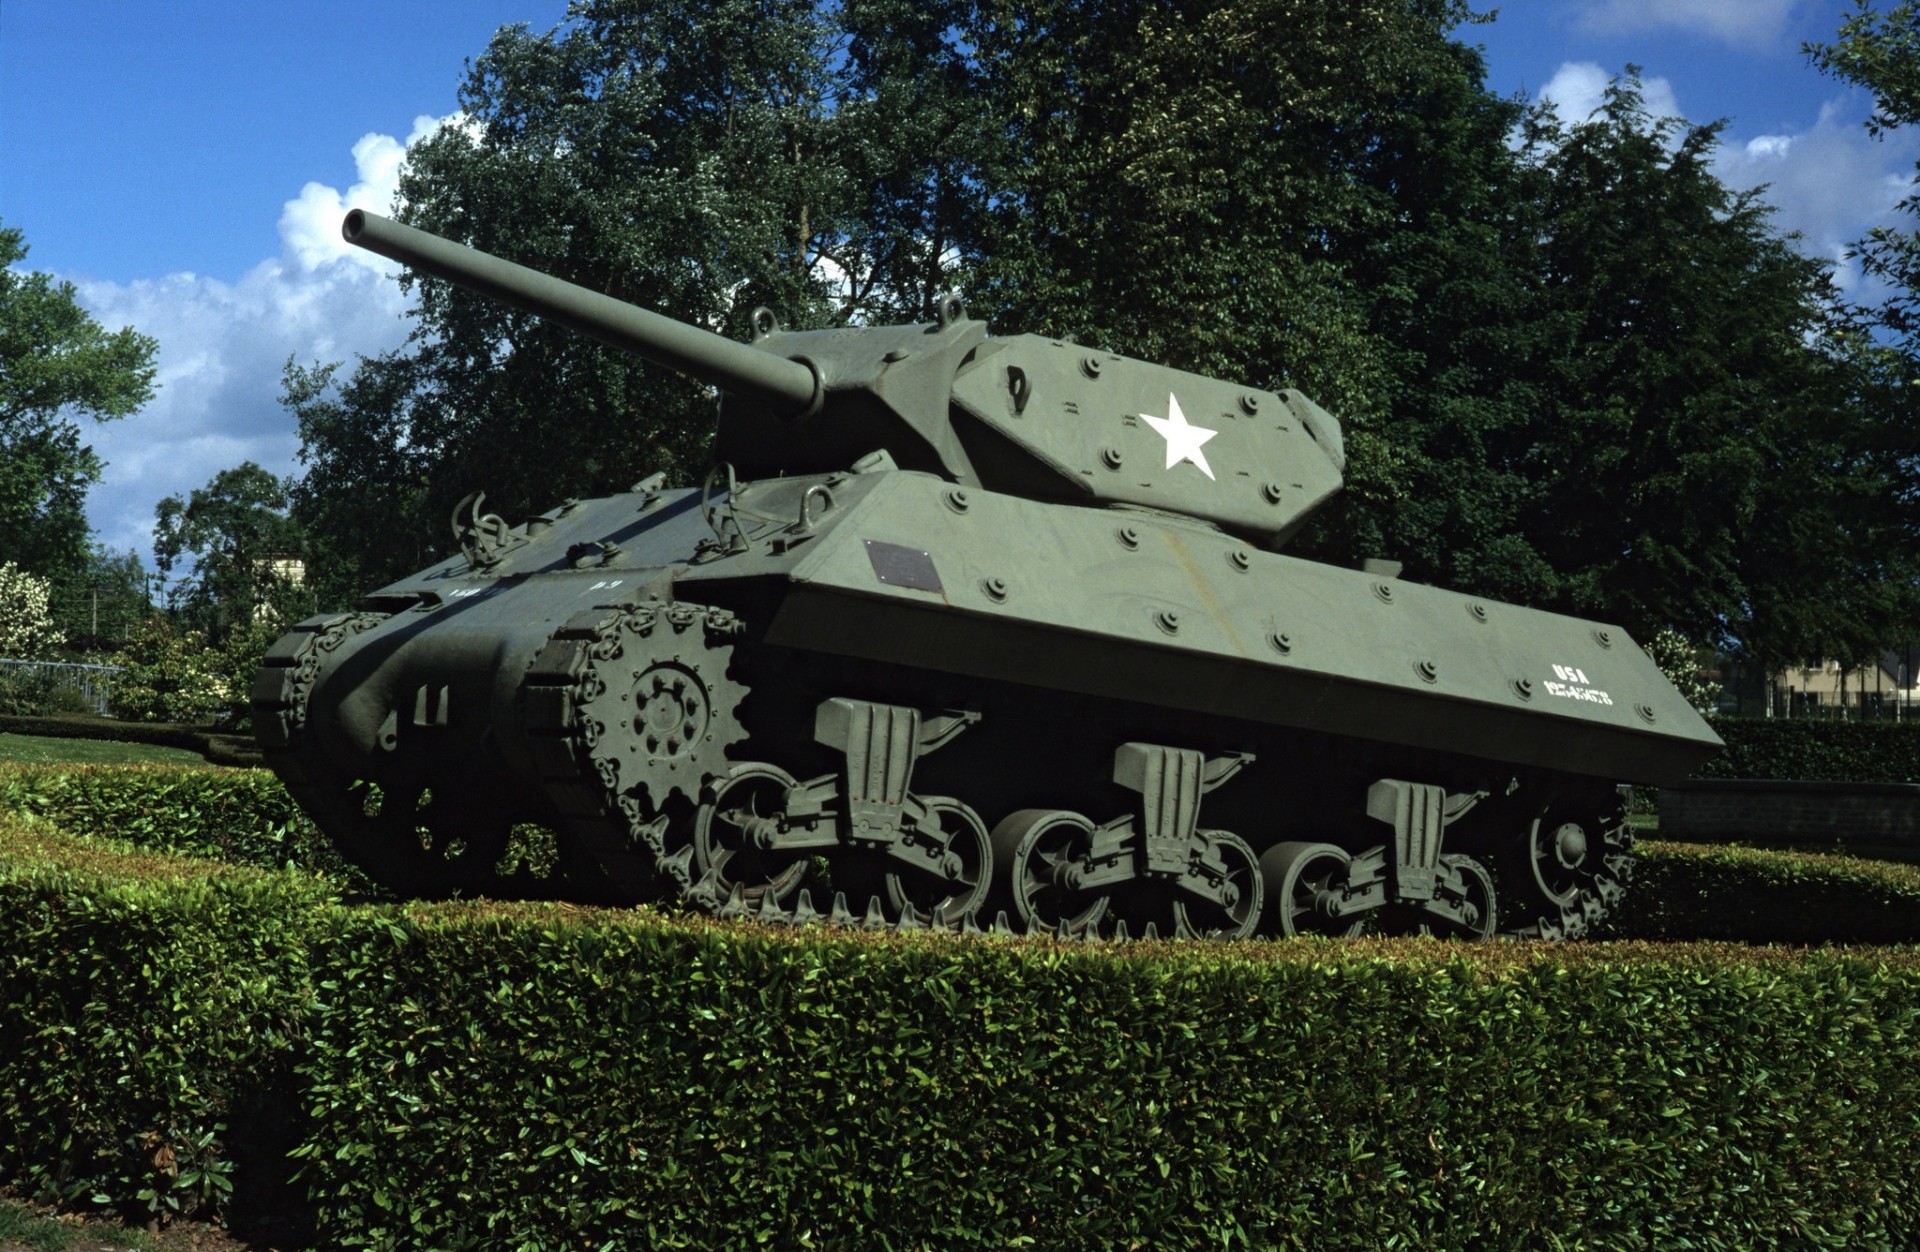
[628, 712]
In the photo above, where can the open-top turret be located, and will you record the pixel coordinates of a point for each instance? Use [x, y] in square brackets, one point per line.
[1024, 415]
[966, 630]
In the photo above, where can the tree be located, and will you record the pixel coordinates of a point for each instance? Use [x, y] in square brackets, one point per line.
[362, 499]
[170, 674]
[103, 607]
[683, 156]
[1880, 51]
[1616, 392]
[247, 551]
[1189, 183]
[1179, 185]
[1575, 370]
[57, 365]
[1701, 425]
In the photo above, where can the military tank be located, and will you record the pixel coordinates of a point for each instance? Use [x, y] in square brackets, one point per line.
[966, 631]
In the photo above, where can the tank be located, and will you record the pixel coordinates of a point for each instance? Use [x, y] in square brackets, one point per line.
[965, 631]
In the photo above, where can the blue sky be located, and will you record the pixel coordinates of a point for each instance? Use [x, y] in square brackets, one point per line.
[186, 162]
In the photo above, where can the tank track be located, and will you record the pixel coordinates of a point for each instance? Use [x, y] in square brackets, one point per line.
[410, 844]
[630, 714]
[630, 717]
[626, 710]
[1570, 871]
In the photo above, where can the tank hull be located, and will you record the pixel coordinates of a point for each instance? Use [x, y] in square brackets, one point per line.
[747, 696]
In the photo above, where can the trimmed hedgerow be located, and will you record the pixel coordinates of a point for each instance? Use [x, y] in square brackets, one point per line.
[220, 747]
[1747, 895]
[244, 817]
[149, 1008]
[1815, 748]
[513, 1078]
[543, 1076]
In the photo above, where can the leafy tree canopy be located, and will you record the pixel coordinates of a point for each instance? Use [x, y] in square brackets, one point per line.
[1879, 49]
[1709, 448]
[688, 157]
[247, 552]
[1576, 370]
[106, 604]
[57, 365]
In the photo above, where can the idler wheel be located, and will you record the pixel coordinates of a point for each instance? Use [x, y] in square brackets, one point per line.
[729, 839]
[1040, 857]
[1303, 887]
[1237, 915]
[967, 853]
[1558, 857]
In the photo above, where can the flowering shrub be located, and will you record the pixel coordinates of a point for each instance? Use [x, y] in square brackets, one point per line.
[27, 631]
[174, 675]
[1677, 659]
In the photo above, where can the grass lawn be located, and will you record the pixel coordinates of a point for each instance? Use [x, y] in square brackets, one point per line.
[38, 750]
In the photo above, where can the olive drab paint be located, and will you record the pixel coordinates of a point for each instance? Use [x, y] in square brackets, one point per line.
[963, 631]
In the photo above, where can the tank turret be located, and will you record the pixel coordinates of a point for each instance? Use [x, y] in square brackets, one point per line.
[970, 631]
[1024, 415]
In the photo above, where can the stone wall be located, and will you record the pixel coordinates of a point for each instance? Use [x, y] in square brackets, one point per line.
[1752, 811]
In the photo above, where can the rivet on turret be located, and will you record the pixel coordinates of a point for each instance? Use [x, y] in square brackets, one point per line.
[1428, 671]
[1644, 710]
[1272, 492]
[1384, 591]
[1110, 457]
[1129, 536]
[1478, 611]
[1282, 642]
[996, 588]
[1090, 366]
[1239, 559]
[1167, 620]
[1523, 687]
[957, 499]
[1604, 638]
[1249, 403]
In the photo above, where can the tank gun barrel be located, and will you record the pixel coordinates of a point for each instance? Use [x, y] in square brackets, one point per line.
[789, 387]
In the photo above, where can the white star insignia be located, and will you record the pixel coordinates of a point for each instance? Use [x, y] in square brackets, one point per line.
[1183, 440]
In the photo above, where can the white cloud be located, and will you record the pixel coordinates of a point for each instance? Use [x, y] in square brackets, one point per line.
[1741, 23]
[1578, 88]
[310, 224]
[222, 347]
[1831, 183]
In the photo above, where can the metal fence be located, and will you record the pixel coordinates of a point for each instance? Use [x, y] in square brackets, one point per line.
[1858, 706]
[28, 687]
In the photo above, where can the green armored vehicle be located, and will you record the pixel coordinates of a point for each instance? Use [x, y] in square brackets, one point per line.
[967, 631]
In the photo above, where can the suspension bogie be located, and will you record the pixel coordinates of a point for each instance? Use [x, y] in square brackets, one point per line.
[659, 768]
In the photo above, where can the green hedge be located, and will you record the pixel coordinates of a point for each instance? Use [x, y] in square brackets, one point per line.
[1814, 748]
[148, 1012]
[1747, 895]
[241, 816]
[635, 1084]
[483, 1075]
[219, 747]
